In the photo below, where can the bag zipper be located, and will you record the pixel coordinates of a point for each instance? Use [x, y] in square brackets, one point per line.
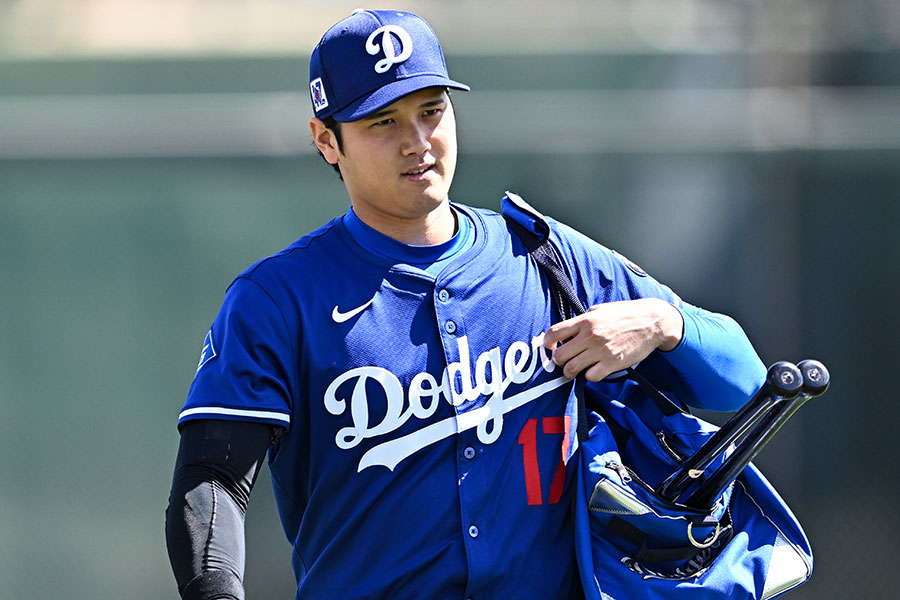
[623, 471]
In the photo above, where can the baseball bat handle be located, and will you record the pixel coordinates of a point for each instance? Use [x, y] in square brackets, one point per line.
[783, 380]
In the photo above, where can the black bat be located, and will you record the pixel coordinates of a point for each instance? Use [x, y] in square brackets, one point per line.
[815, 380]
[783, 380]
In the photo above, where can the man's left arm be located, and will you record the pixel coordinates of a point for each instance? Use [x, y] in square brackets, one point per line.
[709, 353]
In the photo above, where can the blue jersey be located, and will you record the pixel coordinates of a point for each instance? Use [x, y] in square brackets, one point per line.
[427, 427]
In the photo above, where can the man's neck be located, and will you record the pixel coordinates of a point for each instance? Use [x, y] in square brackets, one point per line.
[430, 229]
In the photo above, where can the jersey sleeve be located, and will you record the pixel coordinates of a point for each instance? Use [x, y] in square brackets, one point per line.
[714, 366]
[603, 275]
[247, 362]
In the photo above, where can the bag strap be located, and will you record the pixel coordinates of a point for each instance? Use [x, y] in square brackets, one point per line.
[569, 304]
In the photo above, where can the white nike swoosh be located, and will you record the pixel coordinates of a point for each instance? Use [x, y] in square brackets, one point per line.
[340, 317]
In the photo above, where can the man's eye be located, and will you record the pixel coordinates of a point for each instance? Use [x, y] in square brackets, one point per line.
[383, 122]
[433, 112]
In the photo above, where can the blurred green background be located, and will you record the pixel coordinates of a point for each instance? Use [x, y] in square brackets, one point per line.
[745, 153]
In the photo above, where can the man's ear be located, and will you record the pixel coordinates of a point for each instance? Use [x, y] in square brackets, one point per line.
[324, 140]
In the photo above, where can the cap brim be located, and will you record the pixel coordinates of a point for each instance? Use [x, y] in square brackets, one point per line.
[392, 92]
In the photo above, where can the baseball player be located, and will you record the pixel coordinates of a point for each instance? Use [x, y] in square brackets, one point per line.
[403, 369]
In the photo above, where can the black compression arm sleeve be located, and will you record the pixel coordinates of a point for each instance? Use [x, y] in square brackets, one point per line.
[217, 465]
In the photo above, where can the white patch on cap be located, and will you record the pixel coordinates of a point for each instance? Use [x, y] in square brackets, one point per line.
[387, 46]
[317, 91]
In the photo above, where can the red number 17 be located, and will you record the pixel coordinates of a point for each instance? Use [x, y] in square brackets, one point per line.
[528, 441]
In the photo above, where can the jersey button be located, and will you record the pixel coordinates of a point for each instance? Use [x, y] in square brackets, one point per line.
[469, 452]
[450, 327]
[443, 295]
[473, 531]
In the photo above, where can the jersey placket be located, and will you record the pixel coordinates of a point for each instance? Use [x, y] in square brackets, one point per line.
[469, 450]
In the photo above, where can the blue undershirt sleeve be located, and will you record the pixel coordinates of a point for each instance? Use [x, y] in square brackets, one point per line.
[717, 366]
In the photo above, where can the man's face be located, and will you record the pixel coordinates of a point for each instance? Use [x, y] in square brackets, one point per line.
[399, 162]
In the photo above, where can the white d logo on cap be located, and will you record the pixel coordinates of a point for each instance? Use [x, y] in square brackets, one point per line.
[387, 46]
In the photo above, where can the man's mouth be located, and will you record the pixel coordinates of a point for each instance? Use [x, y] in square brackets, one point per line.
[418, 172]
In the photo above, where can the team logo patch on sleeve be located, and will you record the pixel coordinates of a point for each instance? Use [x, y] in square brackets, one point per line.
[631, 265]
[317, 92]
[209, 350]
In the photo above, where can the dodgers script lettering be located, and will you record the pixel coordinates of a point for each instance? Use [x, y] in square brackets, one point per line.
[493, 374]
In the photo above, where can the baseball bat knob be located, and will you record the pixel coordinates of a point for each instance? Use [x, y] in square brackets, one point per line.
[784, 379]
[815, 377]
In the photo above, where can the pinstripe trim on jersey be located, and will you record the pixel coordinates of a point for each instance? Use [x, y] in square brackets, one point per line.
[235, 412]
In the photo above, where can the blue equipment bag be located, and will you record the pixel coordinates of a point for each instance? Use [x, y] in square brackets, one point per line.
[633, 542]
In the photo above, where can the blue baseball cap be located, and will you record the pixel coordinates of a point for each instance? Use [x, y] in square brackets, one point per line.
[372, 58]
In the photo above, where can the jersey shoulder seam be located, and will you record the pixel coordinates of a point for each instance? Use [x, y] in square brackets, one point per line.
[302, 244]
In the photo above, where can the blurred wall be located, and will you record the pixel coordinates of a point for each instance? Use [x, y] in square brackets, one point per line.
[747, 154]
